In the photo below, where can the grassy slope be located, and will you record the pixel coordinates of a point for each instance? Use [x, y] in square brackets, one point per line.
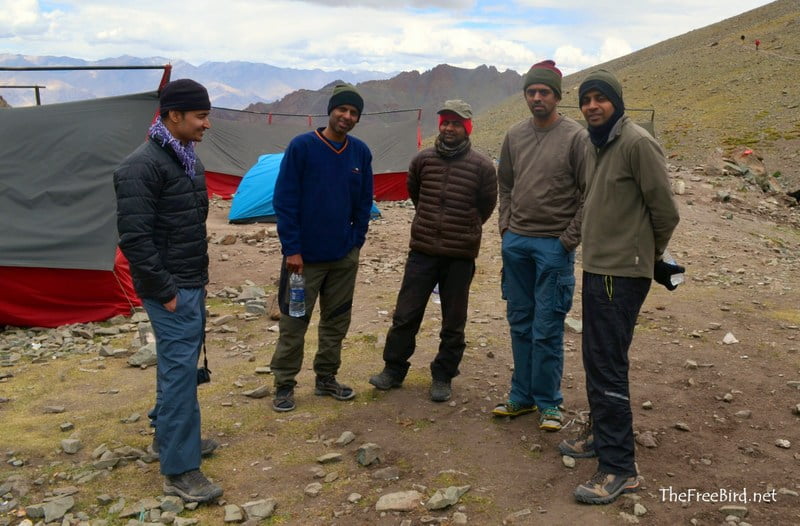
[708, 87]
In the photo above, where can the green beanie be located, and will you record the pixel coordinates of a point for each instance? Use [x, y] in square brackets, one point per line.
[345, 94]
[601, 80]
[544, 72]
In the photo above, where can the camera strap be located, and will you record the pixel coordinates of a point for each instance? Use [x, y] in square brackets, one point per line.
[205, 356]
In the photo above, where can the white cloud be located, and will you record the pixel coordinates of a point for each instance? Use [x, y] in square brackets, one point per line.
[445, 4]
[387, 35]
[21, 18]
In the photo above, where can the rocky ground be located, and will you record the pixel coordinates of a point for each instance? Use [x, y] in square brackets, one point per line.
[715, 374]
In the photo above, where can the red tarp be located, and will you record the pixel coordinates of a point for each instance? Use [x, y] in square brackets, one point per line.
[390, 186]
[222, 185]
[49, 297]
[387, 186]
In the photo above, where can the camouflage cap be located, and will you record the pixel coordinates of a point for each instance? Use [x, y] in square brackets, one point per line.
[457, 106]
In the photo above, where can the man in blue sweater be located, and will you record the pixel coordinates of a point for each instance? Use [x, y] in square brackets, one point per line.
[323, 199]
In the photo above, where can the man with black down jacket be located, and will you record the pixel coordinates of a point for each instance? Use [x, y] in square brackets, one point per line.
[162, 207]
[454, 190]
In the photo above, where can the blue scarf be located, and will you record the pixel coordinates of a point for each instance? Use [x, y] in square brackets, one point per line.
[159, 133]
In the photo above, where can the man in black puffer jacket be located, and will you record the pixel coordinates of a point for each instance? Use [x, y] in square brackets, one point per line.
[454, 190]
[162, 207]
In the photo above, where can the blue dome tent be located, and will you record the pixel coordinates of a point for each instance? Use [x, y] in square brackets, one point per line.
[252, 202]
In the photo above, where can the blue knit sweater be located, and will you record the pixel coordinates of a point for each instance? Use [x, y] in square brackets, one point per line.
[323, 197]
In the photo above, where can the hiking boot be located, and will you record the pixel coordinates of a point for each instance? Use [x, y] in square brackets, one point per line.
[328, 386]
[385, 380]
[550, 419]
[284, 399]
[604, 488]
[440, 391]
[207, 447]
[512, 409]
[192, 486]
[580, 447]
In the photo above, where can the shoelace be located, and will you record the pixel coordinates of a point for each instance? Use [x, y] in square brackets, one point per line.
[598, 478]
[586, 432]
[551, 412]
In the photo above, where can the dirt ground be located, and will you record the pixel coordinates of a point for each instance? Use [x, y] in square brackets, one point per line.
[741, 278]
[742, 260]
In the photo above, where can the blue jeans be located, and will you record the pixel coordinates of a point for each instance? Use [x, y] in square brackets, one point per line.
[176, 415]
[538, 283]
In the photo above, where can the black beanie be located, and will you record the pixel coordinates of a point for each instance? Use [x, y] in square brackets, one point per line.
[184, 95]
[345, 94]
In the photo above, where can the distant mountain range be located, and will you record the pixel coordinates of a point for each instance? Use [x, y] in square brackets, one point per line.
[261, 87]
[230, 84]
[483, 87]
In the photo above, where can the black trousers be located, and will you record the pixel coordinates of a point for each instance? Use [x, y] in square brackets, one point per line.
[422, 272]
[610, 307]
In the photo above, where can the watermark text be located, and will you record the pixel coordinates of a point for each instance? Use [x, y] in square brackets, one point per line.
[719, 496]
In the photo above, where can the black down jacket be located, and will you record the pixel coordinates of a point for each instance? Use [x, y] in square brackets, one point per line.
[161, 218]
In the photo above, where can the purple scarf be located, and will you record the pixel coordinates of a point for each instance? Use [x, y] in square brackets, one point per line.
[159, 133]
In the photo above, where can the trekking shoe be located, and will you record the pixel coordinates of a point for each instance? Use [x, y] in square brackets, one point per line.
[604, 488]
[328, 386]
[440, 391]
[284, 399]
[580, 447]
[385, 380]
[207, 447]
[512, 409]
[192, 486]
[550, 419]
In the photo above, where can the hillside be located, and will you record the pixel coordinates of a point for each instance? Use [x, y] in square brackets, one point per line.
[483, 87]
[3, 103]
[709, 88]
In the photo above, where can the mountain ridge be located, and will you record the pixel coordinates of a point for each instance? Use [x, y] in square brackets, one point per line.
[233, 84]
[482, 87]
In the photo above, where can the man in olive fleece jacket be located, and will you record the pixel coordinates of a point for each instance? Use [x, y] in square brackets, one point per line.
[454, 190]
[541, 180]
[629, 217]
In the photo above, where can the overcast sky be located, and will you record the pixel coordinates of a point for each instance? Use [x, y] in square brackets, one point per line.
[383, 35]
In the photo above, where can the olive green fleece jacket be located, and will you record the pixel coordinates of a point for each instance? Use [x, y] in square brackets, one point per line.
[628, 213]
[541, 178]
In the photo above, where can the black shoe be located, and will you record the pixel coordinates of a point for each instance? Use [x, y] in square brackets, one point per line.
[440, 391]
[604, 488]
[192, 486]
[207, 447]
[284, 399]
[385, 380]
[328, 386]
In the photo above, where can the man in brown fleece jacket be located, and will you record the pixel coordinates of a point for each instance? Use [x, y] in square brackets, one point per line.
[541, 176]
[454, 190]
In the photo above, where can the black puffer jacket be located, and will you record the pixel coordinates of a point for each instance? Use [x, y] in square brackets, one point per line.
[161, 218]
[453, 199]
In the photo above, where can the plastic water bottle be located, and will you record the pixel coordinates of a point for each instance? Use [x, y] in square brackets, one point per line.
[297, 295]
[436, 299]
[675, 279]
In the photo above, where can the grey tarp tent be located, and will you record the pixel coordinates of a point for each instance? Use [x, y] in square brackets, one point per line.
[58, 258]
[231, 147]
